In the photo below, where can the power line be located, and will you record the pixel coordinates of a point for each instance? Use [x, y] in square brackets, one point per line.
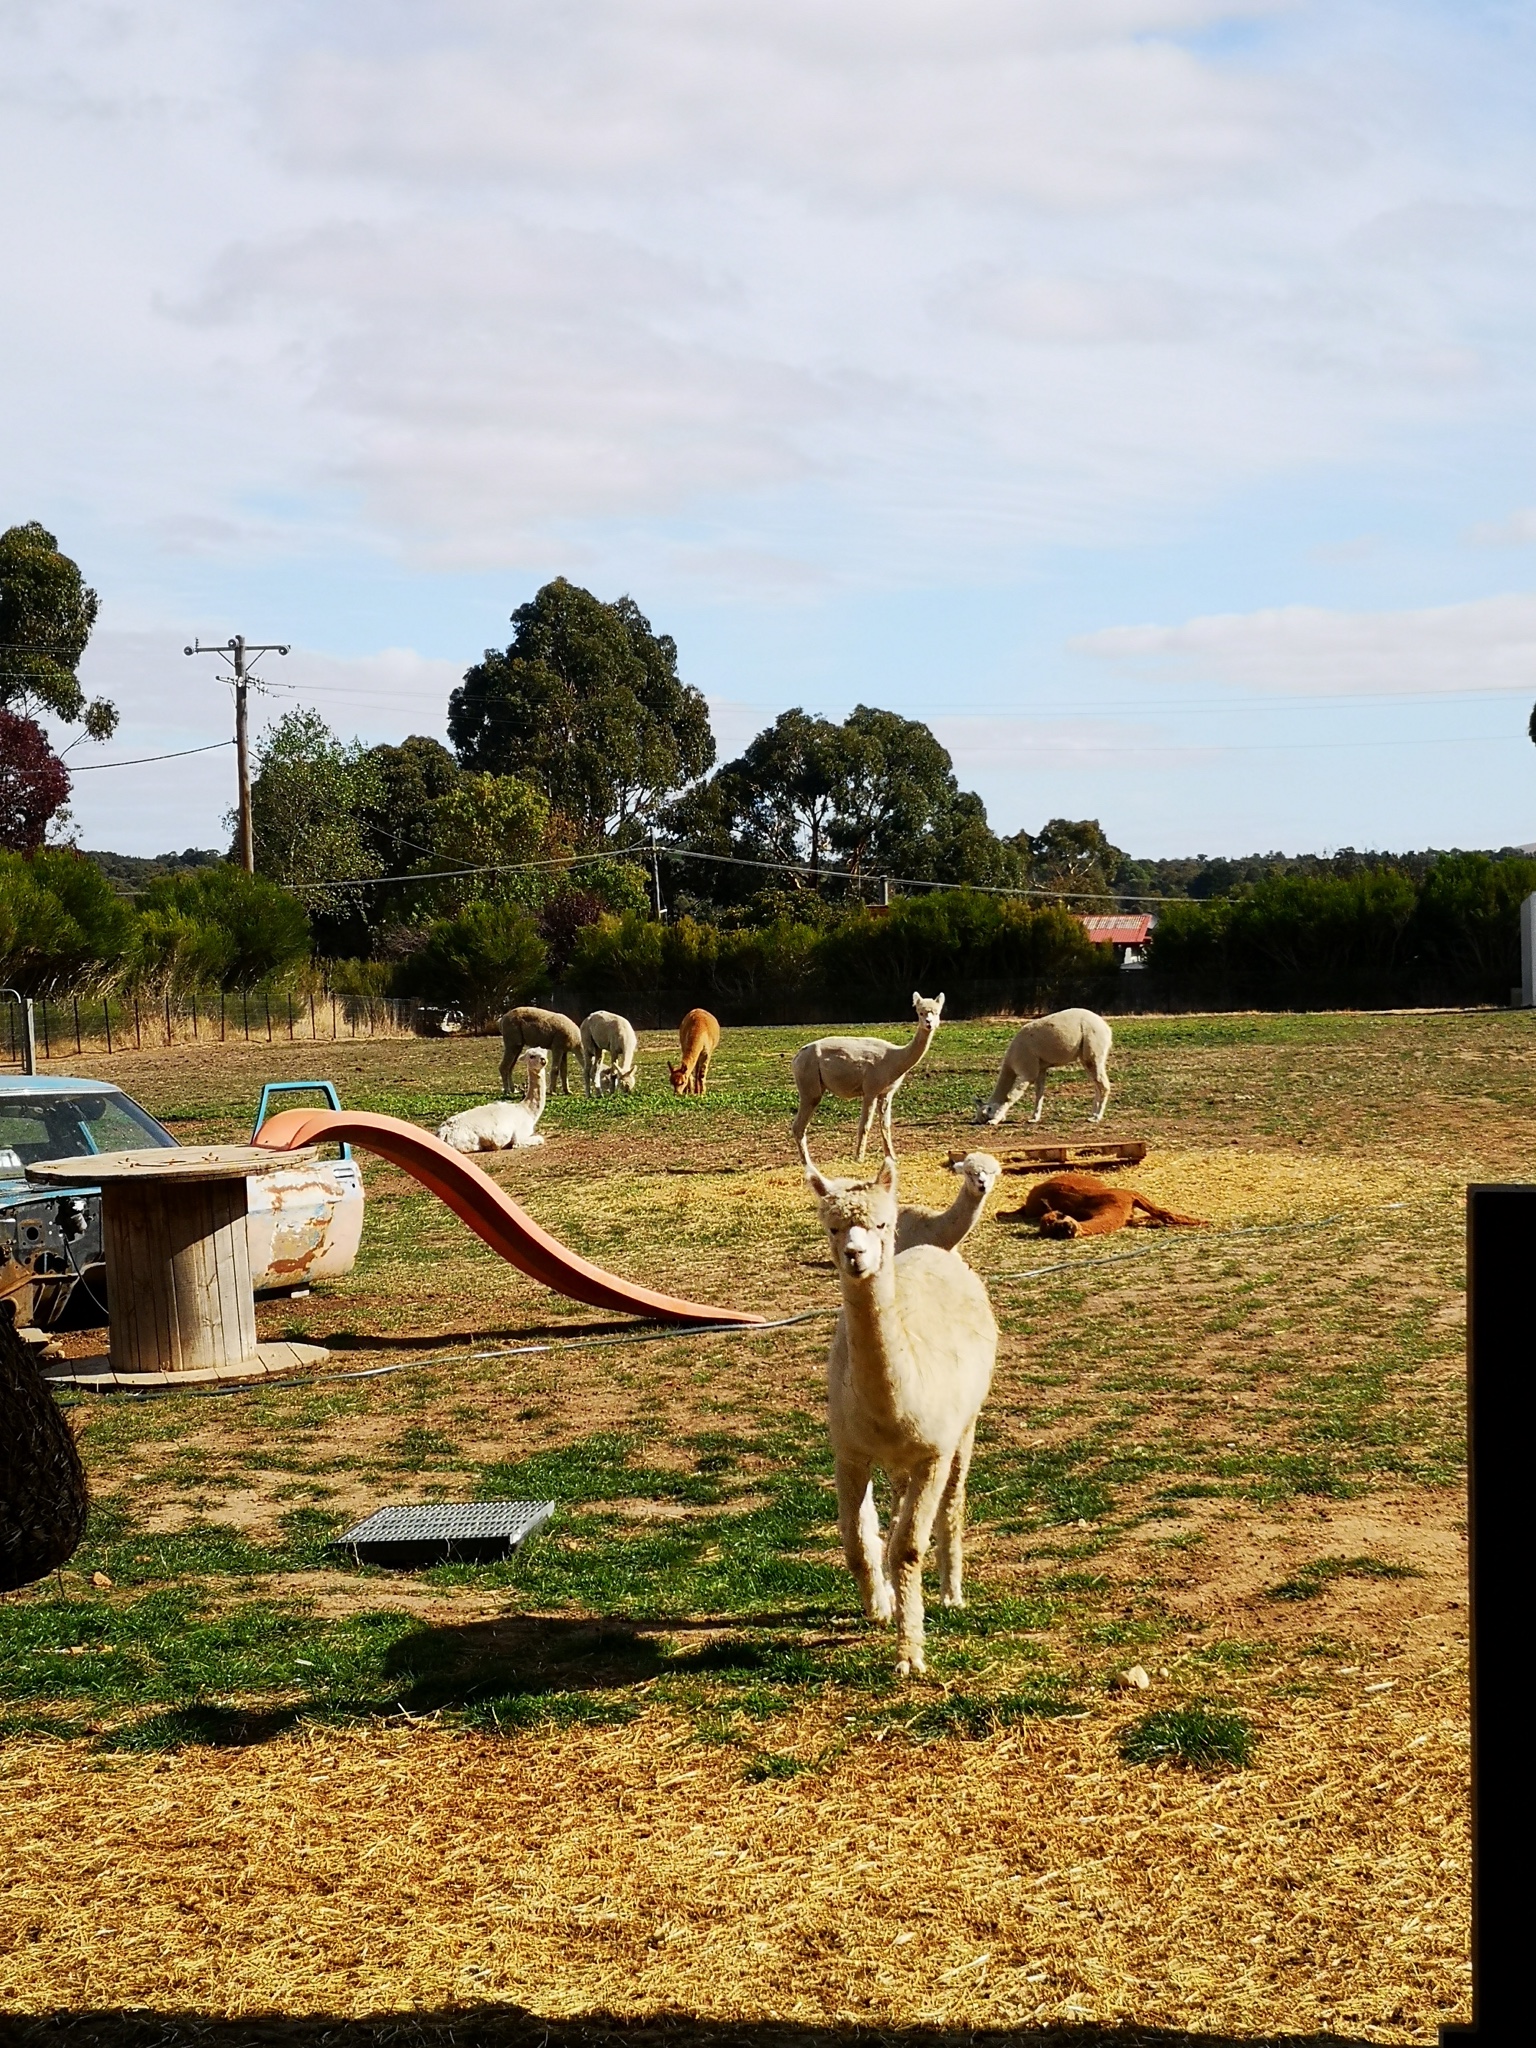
[139, 760]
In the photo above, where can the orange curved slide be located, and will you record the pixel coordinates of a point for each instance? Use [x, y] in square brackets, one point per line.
[494, 1217]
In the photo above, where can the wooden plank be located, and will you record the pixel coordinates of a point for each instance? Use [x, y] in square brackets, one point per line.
[1104, 1156]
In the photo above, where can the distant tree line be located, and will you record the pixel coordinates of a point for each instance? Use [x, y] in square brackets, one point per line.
[581, 783]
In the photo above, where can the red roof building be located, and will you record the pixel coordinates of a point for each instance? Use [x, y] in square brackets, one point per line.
[1118, 930]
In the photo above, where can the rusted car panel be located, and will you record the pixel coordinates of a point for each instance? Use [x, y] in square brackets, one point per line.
[304, 1223]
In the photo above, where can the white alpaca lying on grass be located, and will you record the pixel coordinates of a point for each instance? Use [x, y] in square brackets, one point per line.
[948, 1228]
[502, 1126]
[1064, 1039]
[910, 1366]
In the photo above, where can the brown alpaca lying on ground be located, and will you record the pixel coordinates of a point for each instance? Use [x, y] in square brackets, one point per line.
[1082, 1205]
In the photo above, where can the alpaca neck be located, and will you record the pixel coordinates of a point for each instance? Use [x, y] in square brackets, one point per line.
[908, 1055]
[963, 1210]
[878, 1351]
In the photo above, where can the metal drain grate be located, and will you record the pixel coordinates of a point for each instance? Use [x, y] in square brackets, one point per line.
[445, 1532]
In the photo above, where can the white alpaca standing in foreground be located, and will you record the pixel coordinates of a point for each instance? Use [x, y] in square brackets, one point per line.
[948, 1228]
[867, 1069]
[605, 1034]
[502, 1126]
[910, 1366]
[1065, 1037]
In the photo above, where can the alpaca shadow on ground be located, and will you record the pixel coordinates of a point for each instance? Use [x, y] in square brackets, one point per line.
[512, 2026]
[524, 1658]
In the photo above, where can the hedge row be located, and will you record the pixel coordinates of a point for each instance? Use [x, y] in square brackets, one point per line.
[1372, 941]
[986, 953]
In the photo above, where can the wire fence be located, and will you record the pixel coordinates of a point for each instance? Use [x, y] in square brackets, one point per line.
[67, 1026]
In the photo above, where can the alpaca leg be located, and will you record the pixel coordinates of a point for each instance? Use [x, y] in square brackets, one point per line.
[866, 1117]
[1039, 1096]
[950, 1529]
[885, 1123]
[701, 1075]
[803, 1115]
[509, 1053]
[914, 1526]
[1099, 1075]
[859, 1526]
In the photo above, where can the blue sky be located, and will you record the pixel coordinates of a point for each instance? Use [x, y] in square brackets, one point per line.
[1141, 391]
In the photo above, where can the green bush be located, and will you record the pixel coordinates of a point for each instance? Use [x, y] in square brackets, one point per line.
[220, 925]
[1467, 928]
[988, 952]
[1295, 941]
[61, 925]
[482, 962]
[743, 972]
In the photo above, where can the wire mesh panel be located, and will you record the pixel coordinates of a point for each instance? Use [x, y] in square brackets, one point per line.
[445, 1532]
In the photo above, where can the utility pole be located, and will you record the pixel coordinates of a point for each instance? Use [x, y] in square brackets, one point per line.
[242, 656]
[655, 876]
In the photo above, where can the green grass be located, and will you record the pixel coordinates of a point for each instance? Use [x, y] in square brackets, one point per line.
[1203, 1738]
[1313, 1579]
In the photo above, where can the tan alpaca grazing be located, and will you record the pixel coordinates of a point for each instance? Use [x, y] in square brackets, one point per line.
[910, 1366]
[867, 1070]
[527, 1026]
[949, 1228]
[699, 1036]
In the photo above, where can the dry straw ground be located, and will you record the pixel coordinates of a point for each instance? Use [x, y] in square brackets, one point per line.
[657, 1774]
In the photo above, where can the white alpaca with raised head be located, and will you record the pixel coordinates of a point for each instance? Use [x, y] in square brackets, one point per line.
[949, 1228]
[864, 1070]
[502, 1126]
[910, 1367]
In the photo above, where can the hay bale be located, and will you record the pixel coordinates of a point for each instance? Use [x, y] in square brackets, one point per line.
[44, 1499]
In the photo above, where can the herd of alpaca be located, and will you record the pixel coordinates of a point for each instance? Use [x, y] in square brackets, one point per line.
[915, 1346]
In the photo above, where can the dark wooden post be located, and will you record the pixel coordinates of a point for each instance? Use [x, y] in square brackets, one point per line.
[1501, 1397]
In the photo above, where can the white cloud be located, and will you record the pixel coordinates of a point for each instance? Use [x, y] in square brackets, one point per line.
[874, 293]
[1301, 650]
[1517, 531]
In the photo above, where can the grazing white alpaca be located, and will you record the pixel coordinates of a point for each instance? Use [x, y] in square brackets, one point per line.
[910, 1366]
[502, 1126]
[948, 1228]
[607, 1036]
[860, 1069]
[1065, 1037]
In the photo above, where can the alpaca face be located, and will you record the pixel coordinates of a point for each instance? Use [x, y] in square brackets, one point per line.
[679, 1079]
[928, 1009]
[980, 1172]
[860, 1220]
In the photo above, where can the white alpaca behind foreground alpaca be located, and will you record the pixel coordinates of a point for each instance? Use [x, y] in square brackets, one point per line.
[1060, 1040]
[910, 1366]
[605, 1035]
[502, 1126]
[867, 1070]
[948, 1228]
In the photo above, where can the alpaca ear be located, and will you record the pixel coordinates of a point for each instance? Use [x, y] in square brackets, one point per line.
[816, 1182]
[939, 1000]
[886, 1178]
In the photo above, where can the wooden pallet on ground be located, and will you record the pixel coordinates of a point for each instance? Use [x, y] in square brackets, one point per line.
[1102, 1156]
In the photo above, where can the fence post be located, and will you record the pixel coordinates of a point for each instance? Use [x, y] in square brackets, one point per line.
[290, 1017]
[194, 1016]
[106, 1018]
[47, 1048]
[1501, 1229]
[334, 1032]
[138, 1040]
[221, 1016]
[75, 1002]
[313, 1033]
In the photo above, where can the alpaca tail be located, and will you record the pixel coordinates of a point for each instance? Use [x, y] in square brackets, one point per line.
[1168, 1218]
